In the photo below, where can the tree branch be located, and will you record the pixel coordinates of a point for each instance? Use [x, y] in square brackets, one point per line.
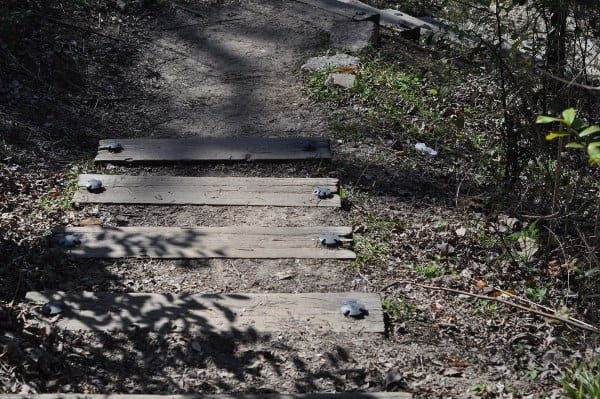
[566, 320]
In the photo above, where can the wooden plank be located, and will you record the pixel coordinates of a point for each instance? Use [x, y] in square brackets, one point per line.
[333, 395]
[266, 312]
[389, 18]
[207, 242]
[189, 149]
[119, 189]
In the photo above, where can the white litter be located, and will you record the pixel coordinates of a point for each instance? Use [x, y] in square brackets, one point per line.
[422, 147]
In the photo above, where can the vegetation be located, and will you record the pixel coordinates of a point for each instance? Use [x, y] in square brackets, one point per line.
[526, 133]
[583, 381]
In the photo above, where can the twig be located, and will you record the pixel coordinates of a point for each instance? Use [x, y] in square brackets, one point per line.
[506, 247]
[457, 196]
[16, 290]
[568, 82]
[592, 252]
[566, 320]
[31, 74]
[535, 304]
[542, 217]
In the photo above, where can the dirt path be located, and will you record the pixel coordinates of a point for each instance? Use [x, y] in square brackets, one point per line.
[231, 72]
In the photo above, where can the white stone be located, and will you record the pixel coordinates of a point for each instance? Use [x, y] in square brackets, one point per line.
[328, 61]
[345, 80]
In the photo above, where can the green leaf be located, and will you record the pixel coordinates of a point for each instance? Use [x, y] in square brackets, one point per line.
[574, 145]
[591, 272]
[569, 115]
[547, 119]
[593, 150]
[589, 130]
[553, 135]
[578, 124]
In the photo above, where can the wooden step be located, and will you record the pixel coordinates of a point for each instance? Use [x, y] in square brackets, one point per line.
[211, 312]
[337, 395]
[120, 189]
[207, 242]
[189, 149]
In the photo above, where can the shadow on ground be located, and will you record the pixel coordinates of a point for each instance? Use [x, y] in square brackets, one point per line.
[63, 88]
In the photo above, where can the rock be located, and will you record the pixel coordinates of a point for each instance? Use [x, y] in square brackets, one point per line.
[69, 241]
[52, 308]
[354, 36]
[327, 61]
[452, 372]
[345, 80]
[94, 185]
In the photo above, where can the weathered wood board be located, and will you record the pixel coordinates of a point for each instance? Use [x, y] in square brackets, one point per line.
[207, 242]
[390, 18]
[212, 312]
[336, 395]
[255, 191]
[189, 149]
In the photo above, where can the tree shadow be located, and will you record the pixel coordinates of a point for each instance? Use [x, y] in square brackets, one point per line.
[59, 114]
[156, 334]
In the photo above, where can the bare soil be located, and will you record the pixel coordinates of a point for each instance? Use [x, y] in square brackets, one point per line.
[233, 70]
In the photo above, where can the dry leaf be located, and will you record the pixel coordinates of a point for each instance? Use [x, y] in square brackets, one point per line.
[529, 247]
[437, 308]
[286, 274]
[458, 363]
[512, 223]
[461, 231]
[503, 293]
[480, 284]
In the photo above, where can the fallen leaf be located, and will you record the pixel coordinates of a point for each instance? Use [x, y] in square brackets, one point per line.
[458, 363]
[461, 231]
[503, 293]
[529, 247]
[437, 308]
[510, 222]
[286, 274]
[480, 284]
